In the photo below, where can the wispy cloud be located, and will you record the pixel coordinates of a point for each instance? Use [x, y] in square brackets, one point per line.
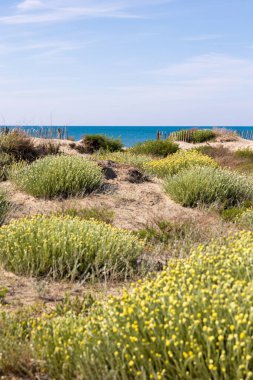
[45, 11]
[30, 5]
[202, 37]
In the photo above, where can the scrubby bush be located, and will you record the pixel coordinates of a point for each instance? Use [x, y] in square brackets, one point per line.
[207, 185]
[4, 207]
[57, 176]
[194, 135]
[156, 148]
[181, 160]
[18, 145]
[94, 143]
[6, 161]
[194, 321]
[200, 135]
[65, 247]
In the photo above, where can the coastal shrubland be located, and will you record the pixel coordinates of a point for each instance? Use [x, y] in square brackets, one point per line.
[193, 321]
[67, 307]
[175, 163]
[54, 176]
[65, 247]
[198, 186]
[160, 148]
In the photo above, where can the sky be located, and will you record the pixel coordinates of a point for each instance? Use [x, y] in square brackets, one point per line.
[126, 62]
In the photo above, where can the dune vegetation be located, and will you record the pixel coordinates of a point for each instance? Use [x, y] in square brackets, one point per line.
[57, 176]
[126, 263]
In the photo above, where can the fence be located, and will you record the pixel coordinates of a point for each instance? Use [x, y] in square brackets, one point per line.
[41, 132]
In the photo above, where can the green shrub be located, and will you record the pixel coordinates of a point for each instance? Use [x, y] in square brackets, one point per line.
[94, 143]
[245, 153]
[207, 185]
[194, 135]
[155, 148]
[194, 321]
[6, 161]
[57, 176]
[65, 247]
[18, 145]
[4, 207]
[233, 213]
[181, 160]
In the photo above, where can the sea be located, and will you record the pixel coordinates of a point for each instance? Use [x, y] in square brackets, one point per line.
[129, 135]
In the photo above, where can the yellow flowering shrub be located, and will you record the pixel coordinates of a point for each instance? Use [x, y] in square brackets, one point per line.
[57, 176]
[183, 159]
[65, 247]
[194, 321]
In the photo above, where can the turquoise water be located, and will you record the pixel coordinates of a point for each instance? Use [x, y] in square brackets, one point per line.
[133, 135]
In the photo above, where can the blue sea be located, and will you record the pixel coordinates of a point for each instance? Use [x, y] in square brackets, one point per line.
[131, 135]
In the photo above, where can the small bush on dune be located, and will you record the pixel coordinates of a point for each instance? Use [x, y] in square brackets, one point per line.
[65, 247]
[94, 143]
[6, 161]
[57, 176]
[194, 321]
[179, 161]
[208, 185]
[4, 207]
[18, 145]
[156, 148]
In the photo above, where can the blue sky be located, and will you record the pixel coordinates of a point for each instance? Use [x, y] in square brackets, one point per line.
[126, 62]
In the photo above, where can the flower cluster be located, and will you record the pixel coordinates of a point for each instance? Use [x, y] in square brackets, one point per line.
[183, 159]
[194, 321]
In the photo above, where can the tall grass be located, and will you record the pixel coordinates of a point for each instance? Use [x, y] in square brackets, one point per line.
[207, 185]
[57, 176]
[65, 247]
